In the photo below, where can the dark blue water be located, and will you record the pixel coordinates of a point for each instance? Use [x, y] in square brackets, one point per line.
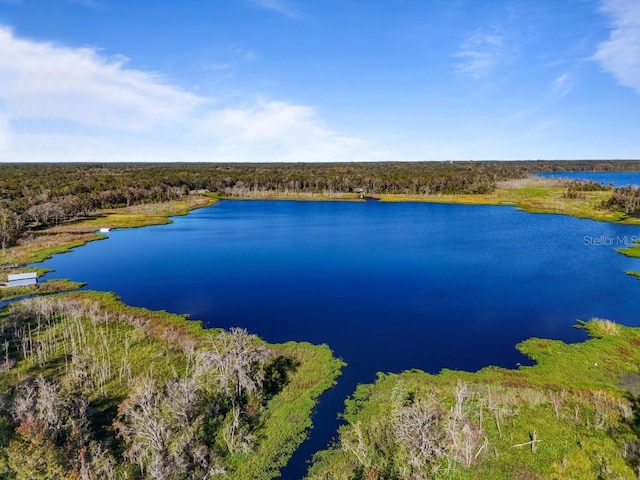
[618, 179]
[388, 286]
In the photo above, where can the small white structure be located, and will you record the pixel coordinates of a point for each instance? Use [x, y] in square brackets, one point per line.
[104, 230]
[22, 279]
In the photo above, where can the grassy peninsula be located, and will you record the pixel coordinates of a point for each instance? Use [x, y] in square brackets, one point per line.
[634, 252]
[572, 415]
[92, 388]
[40, 244]
[47, 287]
[535, 195]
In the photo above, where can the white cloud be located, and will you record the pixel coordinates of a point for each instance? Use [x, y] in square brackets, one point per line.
[280, 130]
[4, 133]
[620, 53]
[480, 52]
[265, 120]
[283, 7]
[68, 104]
[561, 85]
[46, 82]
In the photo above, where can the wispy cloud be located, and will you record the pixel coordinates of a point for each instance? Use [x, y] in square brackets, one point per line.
[620, 53]
[65, 104]
[480, 53]
[239, 51]
[284, 7]
[561, 85]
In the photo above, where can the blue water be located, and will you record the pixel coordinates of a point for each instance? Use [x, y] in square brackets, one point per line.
[388, 286]
[618, 179]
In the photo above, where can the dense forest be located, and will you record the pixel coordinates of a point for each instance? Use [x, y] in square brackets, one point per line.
[89, 186]
[34, 196]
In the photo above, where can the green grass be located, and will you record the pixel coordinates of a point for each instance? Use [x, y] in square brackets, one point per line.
[43, 244]
[155, 342]
[42, 248]
[288, 416]
[50, 286]
[578, 400]
[632, 251]
[146, 214]
[532, 196]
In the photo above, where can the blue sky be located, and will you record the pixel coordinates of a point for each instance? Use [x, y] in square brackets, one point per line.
[321, 80]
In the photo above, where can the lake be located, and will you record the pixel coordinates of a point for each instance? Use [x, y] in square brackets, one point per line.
[388, 286]
[618, 179]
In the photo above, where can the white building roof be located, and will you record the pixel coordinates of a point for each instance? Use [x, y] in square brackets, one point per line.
[22, 276]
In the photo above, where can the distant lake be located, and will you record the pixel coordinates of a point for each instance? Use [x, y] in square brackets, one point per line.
[388, 286]
[619, 179]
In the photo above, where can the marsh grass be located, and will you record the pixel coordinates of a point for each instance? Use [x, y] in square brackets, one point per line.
[44, 288]
[532, 195]
[633, 273]
[118, 345]
[572, 415]
[633, 251]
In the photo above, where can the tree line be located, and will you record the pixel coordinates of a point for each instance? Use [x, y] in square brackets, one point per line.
[41, 195]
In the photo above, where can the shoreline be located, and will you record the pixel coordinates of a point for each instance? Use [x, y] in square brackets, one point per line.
[45, 288]
[164, 344]
[530, 195]
[158, 214]
[318, 369]
[576, 401]
[43, 244]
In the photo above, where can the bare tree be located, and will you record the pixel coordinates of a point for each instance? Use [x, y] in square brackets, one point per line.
[235, 359]
[141, 426]
[162, 429]
[418, 428]
[24, 401]
[96, 463]
[49, 404]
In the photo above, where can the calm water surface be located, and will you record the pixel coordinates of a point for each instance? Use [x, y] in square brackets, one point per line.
[618, 179]
[388, 286]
